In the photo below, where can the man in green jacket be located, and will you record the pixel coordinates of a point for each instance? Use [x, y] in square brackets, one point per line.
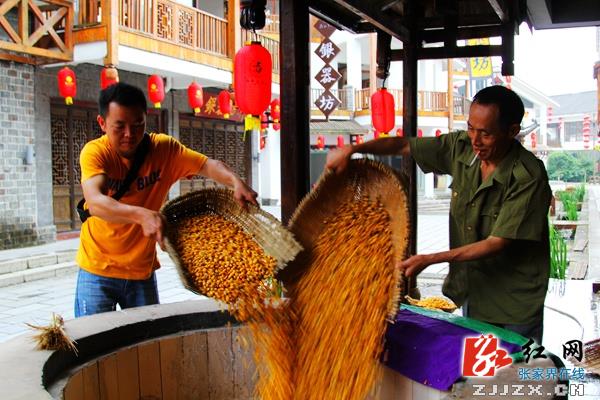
[499, 246]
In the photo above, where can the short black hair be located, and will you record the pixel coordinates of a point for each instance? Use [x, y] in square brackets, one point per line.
[123, 94]
[510, 105]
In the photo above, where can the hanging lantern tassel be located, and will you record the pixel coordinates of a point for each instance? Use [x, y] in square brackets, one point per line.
[53, 336]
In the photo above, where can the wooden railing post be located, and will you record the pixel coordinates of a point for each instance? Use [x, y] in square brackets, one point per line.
[110, 17]
[234, 32]
[24, 21]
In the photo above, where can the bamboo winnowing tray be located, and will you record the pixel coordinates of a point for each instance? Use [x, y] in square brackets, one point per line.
[361, 178]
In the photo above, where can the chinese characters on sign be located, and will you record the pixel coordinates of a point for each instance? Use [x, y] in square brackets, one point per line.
[481, 67]
[327, 76]
[482, 356]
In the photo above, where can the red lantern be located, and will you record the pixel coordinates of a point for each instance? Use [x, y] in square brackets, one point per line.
[275, 110]
[264, 121]
[224, 100]
[360, 139]
[108, 76]
[438, 133]
[252, 80]
[399, 132]
[156, 90]
[383, 113]
[276, 126]
[67, 84]
[320, 142]
[340, 141]
[195, 97]
[533, 140]
[420, 133]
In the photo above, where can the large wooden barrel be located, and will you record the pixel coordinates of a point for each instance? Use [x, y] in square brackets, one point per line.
[189, 350]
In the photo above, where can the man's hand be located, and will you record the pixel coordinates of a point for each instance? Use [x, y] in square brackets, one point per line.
[153, 225]
[413, 266]
[337, 160]
[243, 194]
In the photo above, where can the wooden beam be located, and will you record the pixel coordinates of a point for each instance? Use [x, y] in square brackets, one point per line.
[23, 21]
[36, 51]
[508, 49]
[17, 58]
[110, 17]
[409, 122]
[457, 52]
[234, 34]
[295, 97]
[371, 12]
[324, 11]
[4, 8]
[47, 27]
[440, 35]
[499, 9]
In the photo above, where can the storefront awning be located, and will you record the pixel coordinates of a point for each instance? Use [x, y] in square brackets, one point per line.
[347, 127]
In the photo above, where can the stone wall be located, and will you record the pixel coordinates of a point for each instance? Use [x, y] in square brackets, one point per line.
[18, 201]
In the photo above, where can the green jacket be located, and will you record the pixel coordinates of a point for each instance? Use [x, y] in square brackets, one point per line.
[510, 287]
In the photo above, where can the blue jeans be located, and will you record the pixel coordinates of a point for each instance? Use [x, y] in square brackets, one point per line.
[96, 294]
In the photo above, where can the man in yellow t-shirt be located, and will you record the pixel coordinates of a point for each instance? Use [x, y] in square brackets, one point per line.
[117, 251]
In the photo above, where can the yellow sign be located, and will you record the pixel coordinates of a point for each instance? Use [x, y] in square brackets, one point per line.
[481, 67]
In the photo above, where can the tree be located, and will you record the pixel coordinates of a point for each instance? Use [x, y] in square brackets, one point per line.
[569, 167]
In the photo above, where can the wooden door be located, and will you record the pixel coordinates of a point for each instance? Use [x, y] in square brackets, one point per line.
[218, 139]
[71, 128]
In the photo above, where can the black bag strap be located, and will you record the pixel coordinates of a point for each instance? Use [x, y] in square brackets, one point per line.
[138, 160]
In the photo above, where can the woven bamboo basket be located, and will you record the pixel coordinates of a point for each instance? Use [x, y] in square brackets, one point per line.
[362, 178]
[275, 240]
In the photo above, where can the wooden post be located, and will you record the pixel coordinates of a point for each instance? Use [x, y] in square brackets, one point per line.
[24, 21]
[295, 112]
[110, 18]
[450, 95]
[373, 62]
[409, 124]
[234, 33]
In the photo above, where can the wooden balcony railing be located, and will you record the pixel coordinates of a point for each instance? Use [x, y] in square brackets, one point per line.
[270, 44]
[426, 101]
[36, 32]
[173, 22]
[164, 20]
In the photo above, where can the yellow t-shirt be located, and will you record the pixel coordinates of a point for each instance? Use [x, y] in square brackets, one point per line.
[121, 250]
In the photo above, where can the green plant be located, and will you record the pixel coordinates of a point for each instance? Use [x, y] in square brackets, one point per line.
[570, 166]
[571, 210]
[558, 254]
[580, 193]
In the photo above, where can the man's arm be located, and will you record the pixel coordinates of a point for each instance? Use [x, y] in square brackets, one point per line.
[470, 252]
[220, 172]
[105, 207]
[337, 160]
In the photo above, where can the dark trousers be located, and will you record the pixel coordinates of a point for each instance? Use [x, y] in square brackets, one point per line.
[534, 330]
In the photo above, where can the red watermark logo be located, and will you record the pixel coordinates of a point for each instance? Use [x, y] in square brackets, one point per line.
[483, 357]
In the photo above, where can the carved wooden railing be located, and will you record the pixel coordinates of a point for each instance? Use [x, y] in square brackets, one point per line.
[270, 44]
[426, 101]
[175, 23]
[36, 32]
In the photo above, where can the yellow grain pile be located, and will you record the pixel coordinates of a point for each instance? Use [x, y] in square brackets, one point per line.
[222, 259]
[326, 342]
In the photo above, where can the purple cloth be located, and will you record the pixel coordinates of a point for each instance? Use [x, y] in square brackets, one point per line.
[428, 350]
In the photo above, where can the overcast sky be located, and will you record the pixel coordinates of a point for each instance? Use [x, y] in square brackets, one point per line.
[557, 61]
